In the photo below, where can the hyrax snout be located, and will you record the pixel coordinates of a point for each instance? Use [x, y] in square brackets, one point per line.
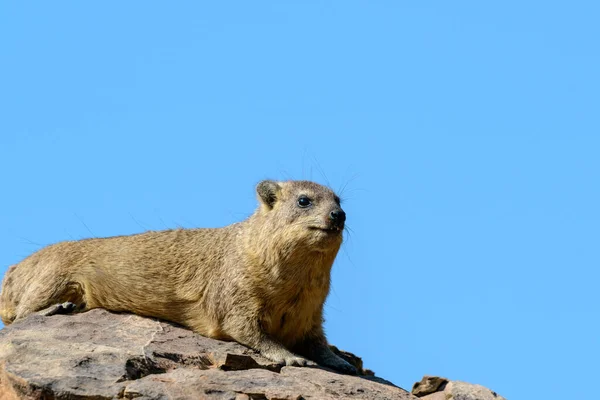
[261, 282]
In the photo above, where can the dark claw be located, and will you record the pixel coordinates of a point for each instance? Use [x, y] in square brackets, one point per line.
[64, 308]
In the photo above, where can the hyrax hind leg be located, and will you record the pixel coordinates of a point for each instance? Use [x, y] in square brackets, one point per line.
[52, 294]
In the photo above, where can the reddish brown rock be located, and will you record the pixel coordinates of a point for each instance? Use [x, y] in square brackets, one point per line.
[437, 388]
[428, 385]
[101, 355]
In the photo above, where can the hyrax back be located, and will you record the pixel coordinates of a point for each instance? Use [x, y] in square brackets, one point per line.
[261, 282]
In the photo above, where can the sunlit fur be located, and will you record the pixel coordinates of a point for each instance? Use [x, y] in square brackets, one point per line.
[261, 282]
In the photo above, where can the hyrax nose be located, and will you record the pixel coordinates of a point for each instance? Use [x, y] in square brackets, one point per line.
[338, 217]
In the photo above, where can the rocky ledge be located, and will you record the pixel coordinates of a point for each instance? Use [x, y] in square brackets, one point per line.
[100, 355]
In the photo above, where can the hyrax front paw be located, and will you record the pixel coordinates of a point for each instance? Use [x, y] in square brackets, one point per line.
[296, 362]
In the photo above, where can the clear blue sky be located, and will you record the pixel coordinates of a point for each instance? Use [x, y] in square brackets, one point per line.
[467, 135]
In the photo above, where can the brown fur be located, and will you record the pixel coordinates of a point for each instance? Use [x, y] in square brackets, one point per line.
[261, 282]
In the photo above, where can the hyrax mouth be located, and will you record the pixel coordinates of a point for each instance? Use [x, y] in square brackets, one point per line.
[328, 229]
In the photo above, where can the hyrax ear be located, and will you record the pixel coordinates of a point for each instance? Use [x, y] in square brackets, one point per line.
[267, 193]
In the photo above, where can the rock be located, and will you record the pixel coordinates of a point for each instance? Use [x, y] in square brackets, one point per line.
[101, 355]
[429, 384]
[354, 360]
[437, 388]
[468, 391]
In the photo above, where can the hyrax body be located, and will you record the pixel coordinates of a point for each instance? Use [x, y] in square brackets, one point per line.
[261, 282]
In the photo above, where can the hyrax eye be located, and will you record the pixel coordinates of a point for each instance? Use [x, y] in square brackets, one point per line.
[304, 202]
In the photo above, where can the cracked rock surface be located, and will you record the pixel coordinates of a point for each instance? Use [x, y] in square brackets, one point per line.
[100, 355]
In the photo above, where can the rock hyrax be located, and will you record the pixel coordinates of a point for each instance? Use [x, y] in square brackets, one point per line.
[261, 282]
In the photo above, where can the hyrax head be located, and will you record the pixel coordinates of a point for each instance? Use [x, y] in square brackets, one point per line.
[302, 213]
